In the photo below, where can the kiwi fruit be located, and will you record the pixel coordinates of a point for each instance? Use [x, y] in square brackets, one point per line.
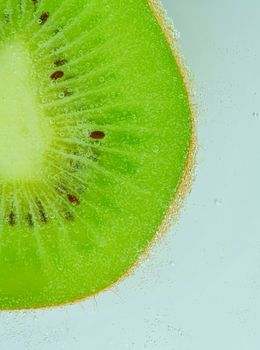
[95, 140]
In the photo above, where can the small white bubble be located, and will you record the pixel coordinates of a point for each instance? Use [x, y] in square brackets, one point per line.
[156, 149]
[54, 82]
[217, 202]
[176, 34]
[41, 44]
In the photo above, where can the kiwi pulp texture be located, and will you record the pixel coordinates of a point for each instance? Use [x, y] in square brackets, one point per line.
[95, 132]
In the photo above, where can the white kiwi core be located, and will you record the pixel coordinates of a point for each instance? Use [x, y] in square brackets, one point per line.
[25, 133]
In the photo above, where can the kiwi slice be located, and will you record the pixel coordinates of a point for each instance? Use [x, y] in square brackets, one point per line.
[95, 137]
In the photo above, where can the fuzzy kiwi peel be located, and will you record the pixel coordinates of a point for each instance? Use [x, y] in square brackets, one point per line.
[95, 137]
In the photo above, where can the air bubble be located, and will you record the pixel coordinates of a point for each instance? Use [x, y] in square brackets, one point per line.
[41, 44]
[156, 149]
[61, 95]
[217, 202]
[53, 82]
[176, 34]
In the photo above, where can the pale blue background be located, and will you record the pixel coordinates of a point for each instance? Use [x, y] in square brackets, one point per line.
[200, 288]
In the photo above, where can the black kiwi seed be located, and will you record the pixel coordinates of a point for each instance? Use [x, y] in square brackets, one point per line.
[43, 216]
[60, 62]
[29, 220]
[42, 213]
[44, 17]
[73, 199]
[11, 218]
[69, 216]
[57, 75]
[60, 189]
[97, 135]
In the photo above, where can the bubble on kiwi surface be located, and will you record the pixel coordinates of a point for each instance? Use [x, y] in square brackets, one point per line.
[95, 135]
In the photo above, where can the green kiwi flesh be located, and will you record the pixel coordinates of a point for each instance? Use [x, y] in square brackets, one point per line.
[95, 133]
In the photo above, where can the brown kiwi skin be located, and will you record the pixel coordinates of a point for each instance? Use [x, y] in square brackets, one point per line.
[189, 175]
